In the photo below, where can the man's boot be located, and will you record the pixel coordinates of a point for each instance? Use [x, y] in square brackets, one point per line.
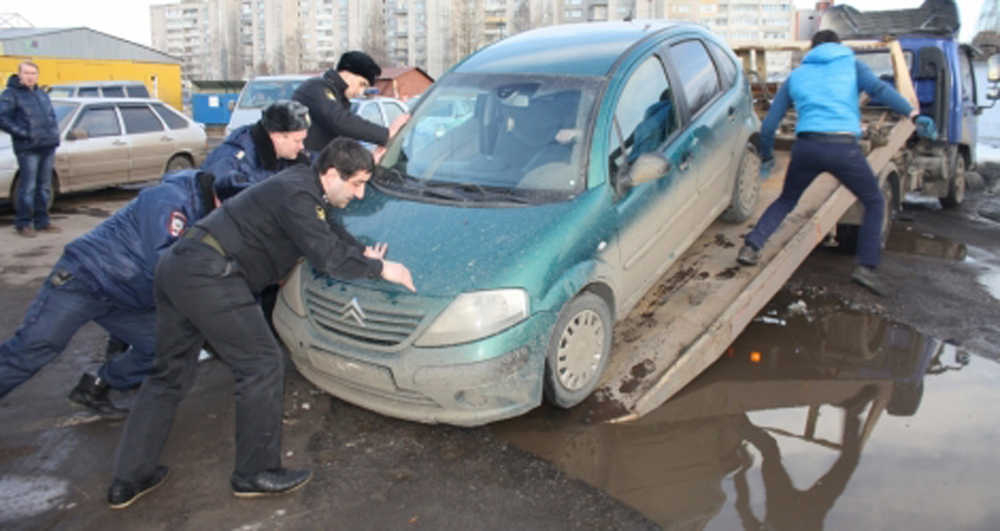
[92, 393]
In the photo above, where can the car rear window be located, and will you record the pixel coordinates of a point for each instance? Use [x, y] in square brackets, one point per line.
[140, 120]
[174, 121]
[114, 92]
[88, 92]
[137, 91]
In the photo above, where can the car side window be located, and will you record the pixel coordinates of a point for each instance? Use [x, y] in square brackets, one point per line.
[137, 91]
[114, 92]
[98, 122]
[697, 73]
[140, 120]
[645, 115]
[968, 82]
[727, 68]
[370, 112]
[392, 111]
[88, 92]
[174, 121]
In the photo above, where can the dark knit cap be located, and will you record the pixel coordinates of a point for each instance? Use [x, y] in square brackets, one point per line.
[361, 64]
[285, 116]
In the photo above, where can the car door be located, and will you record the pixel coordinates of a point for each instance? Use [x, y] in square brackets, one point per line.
[150, 145]
[708, 151]
[94, 152]
[654, 218]
[369, 110]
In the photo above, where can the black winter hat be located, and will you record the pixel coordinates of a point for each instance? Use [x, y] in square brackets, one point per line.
[285, 116]
[360, 63]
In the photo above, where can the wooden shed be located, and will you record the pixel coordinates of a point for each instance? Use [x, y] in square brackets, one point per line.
[403, 83]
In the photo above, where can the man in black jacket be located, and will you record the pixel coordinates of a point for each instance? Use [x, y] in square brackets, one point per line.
[329, 101]
[26, 114]
[205, 289]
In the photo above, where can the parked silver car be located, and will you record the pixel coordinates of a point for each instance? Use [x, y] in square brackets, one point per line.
[111, 141]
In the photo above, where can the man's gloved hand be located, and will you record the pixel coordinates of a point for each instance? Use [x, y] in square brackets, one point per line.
[766, 166]
[926, 127]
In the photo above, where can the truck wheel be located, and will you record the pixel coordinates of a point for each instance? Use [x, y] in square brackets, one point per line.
[847, 233]
[956, 184]
[578, 350]
[747, 187]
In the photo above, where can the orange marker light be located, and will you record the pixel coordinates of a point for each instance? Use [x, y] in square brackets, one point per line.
[755, 356]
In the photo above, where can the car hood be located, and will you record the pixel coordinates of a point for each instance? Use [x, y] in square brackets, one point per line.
[452, 249]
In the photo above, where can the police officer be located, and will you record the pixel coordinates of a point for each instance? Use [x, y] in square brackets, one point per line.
[825, 91]
[106, 276]
[257, 151]
[329, 101]
[205, 290]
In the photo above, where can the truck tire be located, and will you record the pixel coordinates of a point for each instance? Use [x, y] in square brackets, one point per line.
[747, 187]
[847, 233]
[956, 183]
[578, 350]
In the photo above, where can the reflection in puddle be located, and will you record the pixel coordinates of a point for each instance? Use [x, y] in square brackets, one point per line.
[776, 434]
[905, 239]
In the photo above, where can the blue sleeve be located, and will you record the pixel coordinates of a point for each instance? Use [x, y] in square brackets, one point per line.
[765, 147]
[8, 107]
[228, 170]
[162, 221]
[880, 90]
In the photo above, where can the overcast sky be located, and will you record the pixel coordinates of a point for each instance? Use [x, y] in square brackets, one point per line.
[129, 19]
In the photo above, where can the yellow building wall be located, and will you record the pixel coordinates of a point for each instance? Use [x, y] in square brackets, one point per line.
[162, 79]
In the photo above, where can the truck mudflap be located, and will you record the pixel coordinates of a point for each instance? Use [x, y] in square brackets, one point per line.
[704, 301]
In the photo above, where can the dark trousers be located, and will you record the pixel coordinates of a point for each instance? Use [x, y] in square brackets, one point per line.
[201, 295]
[63, 306]
[848, 164]
[34, 170]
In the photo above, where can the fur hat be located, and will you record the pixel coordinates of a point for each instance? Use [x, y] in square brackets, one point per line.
[285, 116]
[360, 63]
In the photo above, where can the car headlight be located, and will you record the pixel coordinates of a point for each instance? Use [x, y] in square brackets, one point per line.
[476, 315]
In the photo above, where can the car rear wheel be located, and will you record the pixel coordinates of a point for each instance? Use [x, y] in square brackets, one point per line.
[578, 350]
[746, 189]
[179, 162]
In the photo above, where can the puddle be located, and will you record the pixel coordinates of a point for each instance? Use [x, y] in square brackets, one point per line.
[817, 416]
[906, 239]
[991, 281]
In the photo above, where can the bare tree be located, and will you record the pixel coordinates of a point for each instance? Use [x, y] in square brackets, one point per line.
[374, 37]
[295, 53]
[263, 69]
[466, 27]
[522, 18]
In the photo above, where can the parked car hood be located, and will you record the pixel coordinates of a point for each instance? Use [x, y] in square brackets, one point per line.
[453, 249]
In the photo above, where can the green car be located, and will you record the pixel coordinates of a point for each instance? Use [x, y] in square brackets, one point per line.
[576, 164]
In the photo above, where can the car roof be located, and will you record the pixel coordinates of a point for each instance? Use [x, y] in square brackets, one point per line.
[288, 77]
[97, 84]
[96, 99]
[587, 49]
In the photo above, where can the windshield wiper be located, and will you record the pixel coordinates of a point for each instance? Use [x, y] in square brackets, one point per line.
[502, 194]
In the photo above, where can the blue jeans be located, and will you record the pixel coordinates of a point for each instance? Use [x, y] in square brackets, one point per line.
[60, 309]
[34, 170]
[848, 164]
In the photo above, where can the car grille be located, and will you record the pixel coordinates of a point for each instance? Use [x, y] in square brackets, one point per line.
[384, 324]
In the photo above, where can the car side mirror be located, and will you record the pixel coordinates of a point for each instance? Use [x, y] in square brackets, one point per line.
[993, 68]
[648, 167]
[76, 134]
[993, 93]
[231, 105]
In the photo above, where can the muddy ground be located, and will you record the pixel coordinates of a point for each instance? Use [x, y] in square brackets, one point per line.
[373, 472]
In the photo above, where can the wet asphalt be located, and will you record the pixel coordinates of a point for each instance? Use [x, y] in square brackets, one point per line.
[835, 409]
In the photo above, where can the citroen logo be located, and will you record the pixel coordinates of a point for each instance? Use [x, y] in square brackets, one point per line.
[352, 310]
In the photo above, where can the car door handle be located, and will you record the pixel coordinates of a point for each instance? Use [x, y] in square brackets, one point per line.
[686, 161]
[167, 138]
[119, 143]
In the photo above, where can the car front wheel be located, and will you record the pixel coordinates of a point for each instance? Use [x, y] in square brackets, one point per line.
[578, 350]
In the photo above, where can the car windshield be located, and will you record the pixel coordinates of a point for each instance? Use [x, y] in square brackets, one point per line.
[63, 111]
[491, 137]
[260, 94]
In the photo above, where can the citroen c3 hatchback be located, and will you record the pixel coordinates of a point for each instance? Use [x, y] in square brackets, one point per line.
[538, 191]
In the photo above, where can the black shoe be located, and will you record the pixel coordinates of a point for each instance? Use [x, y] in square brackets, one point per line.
[122, 493]
[867, 277]
[92, 393]
[748, 256]
[269, 482]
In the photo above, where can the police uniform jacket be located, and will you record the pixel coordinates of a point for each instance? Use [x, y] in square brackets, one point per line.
[330, 113]
[117, 259]
[268, 227]
[246, 157]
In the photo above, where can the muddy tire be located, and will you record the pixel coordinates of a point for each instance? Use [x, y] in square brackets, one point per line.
[956, 183]
[179, 162]
[847, 233]
[578, 350]
[747, 187]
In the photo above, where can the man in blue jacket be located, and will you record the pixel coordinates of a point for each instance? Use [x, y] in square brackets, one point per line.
[26, 114]
[825, 92]
[106, 276]
[257, 151]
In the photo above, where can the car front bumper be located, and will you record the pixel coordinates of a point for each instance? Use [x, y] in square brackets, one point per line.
[465, 385]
